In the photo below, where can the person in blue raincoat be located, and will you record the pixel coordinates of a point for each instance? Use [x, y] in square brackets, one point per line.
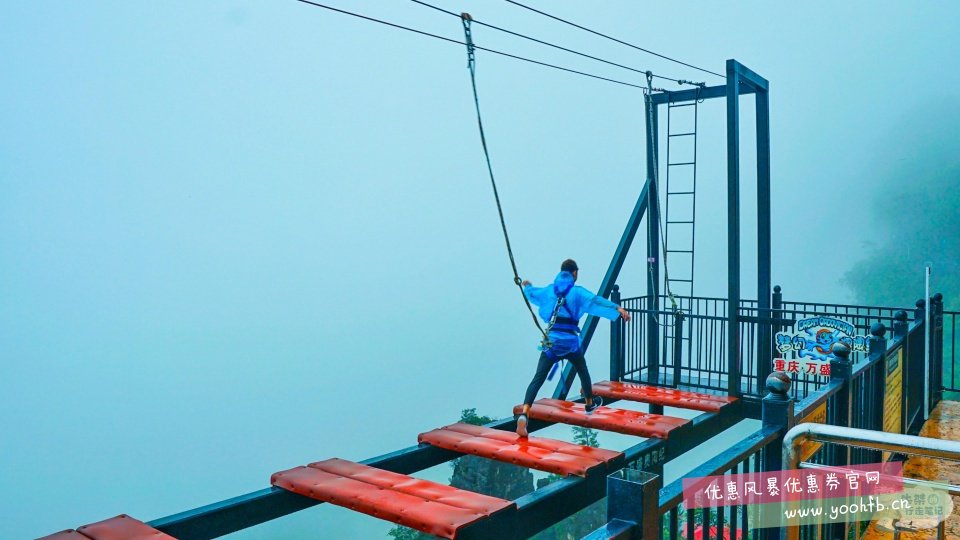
[564, 333]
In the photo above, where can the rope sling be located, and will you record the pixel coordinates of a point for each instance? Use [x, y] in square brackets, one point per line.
[545, 343]
[472, 66]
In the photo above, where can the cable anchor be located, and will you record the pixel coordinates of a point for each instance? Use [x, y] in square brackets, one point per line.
[471, 48]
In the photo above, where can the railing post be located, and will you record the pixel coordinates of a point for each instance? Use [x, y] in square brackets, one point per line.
[841, 413]
[677, 346]
[653, 342]
[777, 412]
[633, 501]
[916, 376]
[776, 325]
[919, 311]
[900, 324]
[616, 340]
[878, 349]
[936, 349]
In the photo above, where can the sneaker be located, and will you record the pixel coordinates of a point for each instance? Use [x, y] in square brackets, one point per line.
[522, 425]
[597, 402]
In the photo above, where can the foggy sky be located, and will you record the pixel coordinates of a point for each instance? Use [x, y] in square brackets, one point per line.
[243, 236]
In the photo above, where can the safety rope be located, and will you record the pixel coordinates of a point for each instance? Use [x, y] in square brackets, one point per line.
[656, 200]
[471, 64]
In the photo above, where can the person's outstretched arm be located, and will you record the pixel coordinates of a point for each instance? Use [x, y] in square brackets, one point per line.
[536, 295]
[601, 307]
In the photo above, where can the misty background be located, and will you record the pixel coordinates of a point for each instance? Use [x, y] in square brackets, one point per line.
[243, 236]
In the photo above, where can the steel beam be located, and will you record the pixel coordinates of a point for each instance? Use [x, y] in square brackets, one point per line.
[708, 92]
[749, 77]
[733, 229]
[653, 243]
[764, 242]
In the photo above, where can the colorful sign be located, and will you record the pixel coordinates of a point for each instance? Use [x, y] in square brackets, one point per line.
[810, 367]
[815, 337]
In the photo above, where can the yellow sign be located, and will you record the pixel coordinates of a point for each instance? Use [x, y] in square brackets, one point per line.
[893, 398]
[817, 416]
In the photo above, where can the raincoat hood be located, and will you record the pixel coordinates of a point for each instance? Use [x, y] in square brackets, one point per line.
[563, 283]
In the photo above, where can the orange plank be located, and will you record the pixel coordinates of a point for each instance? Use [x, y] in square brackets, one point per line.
[670, 397]
[122, 527]
[68, 534]
[604, 418]
[533, 452]
[419, 504]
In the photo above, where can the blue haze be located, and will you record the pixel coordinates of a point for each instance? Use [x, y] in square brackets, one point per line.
[241, 236]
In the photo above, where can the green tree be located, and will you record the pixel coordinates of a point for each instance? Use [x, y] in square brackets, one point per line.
[405, 533]
[470, 416]
[585, 436]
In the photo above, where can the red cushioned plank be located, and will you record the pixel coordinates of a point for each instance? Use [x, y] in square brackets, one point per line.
[536, 453]
[603, 418]
[68, 534]
[419, 504]
[122, 528]
[656, 395]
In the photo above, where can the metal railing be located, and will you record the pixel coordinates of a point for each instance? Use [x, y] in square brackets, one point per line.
[869, 440]
[746, 456]
[689, 349]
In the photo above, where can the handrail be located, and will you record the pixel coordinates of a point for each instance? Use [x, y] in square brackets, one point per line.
[949, 488]
[787, 302]
[861, 438]
[865, 438]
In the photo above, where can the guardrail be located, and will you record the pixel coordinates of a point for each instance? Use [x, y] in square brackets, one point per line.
[870, 440]
[688, 348]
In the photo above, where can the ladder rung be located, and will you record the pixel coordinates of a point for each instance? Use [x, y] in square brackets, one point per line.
[684, 163]
[683, 280]
[672, 105]
[680, 193]
[682, 134]
[669, 222]
[679, 251]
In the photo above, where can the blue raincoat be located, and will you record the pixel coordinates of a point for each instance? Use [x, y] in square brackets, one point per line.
[578, 302]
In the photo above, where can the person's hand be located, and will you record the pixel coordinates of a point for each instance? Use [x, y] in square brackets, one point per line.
[525, 283]
[625, 314]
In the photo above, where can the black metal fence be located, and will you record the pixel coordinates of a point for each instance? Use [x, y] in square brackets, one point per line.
[687, 348]
[746, 456]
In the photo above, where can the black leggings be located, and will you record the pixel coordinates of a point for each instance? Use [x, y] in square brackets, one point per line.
[543, 367]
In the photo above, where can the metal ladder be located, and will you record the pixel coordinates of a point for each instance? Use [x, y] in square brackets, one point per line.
[683, 202]
[680, 216]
